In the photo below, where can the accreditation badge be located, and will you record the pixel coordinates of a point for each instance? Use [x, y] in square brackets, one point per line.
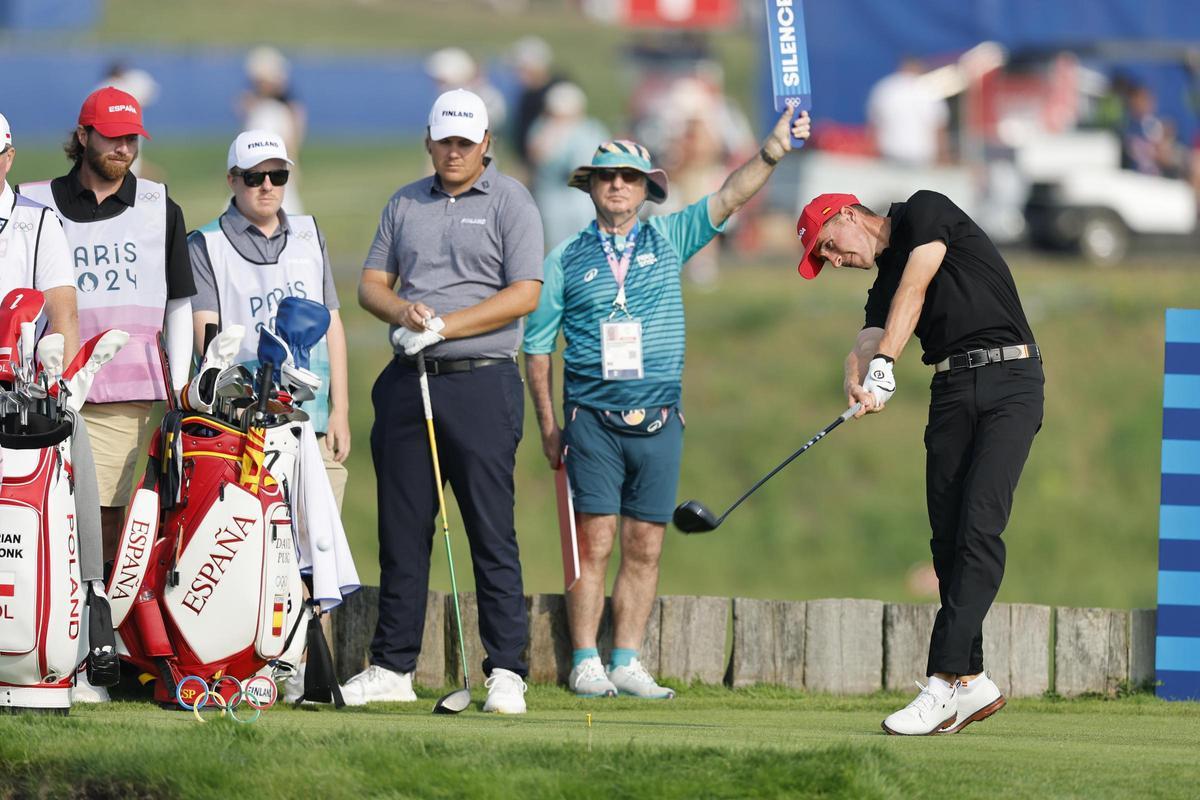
[621, 349]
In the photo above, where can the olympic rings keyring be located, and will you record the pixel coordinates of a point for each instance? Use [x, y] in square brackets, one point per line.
[259, 692]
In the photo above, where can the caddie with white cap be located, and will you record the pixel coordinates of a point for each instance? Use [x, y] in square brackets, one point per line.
[254, 255]
[34, 252]
[455, 265]
[613, 290]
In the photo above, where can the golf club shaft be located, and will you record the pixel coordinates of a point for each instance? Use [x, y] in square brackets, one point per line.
[847, 414]
[437, 479]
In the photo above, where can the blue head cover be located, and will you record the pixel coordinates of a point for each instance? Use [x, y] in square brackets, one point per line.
[300, 323]
[273, 349]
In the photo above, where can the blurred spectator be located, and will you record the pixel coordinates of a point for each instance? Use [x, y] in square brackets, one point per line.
[908, 118]
[1150, 144]
[532, 58]
[144, 89]
[270, 105]
[454, 68]
[560, 139]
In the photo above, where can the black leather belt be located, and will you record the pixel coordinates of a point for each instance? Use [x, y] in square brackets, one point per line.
[434, 366]
[981, 358]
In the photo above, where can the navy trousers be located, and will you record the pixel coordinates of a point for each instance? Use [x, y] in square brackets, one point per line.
[478, 417]
[981, 425]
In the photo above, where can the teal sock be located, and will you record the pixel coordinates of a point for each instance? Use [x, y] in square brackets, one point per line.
[621, 656]
[582, 654]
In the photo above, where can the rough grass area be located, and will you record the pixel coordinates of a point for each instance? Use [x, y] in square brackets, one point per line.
[761, 742]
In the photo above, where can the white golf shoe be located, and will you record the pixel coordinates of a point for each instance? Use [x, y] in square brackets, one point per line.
[293, 686]
[932, 711]
[636, 681]
[506, 692]
[84, 692]
[376, 684]
[978, 699]
[588, 679]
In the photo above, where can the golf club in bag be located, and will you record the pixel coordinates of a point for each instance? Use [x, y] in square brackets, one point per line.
[53, 611]
[693, 516]
[459, 699]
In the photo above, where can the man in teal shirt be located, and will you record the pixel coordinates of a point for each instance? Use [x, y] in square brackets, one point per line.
[614, 291]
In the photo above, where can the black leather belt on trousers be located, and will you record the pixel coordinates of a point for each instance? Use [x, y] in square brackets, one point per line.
[434, 366]
[981, 358]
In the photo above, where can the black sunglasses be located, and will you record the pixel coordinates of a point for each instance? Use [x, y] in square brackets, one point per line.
[627, 175]
[279, 177]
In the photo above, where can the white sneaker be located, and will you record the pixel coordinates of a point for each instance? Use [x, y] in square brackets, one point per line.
[588, 679]
[635, 680]
[376, 684]
[506, 692]
[978, 699]
[933, 710]
[84, 692]
[293, 686]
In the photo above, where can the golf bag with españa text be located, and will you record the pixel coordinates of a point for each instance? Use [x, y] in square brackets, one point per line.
[53, 611]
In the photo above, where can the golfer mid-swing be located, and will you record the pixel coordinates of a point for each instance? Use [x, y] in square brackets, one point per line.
[940, 276]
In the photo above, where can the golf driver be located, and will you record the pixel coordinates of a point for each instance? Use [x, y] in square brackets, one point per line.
[459, 699]
[693, 516]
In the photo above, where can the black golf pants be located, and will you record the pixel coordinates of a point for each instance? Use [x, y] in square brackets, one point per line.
[478, 417]
[981, 425]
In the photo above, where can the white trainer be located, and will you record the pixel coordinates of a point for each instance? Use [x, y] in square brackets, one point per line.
[588, 679]
[636, 681]
[376, 684]
[978, 699]
[932, 711]
[506, 692]
[293, 686]
[84, 692]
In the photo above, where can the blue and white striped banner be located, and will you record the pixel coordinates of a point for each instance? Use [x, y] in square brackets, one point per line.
[1177, 643]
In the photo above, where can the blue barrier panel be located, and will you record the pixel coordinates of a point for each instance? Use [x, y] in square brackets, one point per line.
[1177, 644]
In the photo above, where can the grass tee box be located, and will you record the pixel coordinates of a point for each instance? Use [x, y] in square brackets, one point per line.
[757, 742]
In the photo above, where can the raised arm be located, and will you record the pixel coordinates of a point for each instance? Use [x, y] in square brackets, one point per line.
[746, 180]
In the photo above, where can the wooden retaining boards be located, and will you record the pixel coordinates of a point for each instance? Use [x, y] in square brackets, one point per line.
[835, 646]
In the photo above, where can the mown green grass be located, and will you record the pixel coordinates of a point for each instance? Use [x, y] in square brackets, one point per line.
[764, 373]
[761, 742]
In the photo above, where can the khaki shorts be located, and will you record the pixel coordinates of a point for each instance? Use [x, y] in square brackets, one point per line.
[338, 475]
[118, 434]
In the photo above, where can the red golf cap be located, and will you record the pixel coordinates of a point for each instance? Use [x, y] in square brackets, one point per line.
[814, 215]
[113, 113]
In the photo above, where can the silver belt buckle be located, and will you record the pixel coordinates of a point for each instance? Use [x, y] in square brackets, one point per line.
[977, 358]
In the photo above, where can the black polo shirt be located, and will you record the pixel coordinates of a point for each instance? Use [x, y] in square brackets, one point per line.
[78, 204]
[971, 303]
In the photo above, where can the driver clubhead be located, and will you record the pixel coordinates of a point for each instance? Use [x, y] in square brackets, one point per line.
[693, 516]
[453, 703]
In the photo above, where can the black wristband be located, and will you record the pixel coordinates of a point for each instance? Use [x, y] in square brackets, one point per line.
[766, 157]
[888, 359]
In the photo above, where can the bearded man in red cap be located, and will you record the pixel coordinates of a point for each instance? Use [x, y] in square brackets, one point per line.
[940, 276]
[128, 242]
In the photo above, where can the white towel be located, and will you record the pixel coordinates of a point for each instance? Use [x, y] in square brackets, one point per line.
[324, 551]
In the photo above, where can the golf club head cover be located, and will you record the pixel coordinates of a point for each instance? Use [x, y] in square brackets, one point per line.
[200, 394]
[273, 350]
[50, 351]
[95, 353]
[300, 383]
[320, 684]
[103, 665]
[18, 306]
[301, 323]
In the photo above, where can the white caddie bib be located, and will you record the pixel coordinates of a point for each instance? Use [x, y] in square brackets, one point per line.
[18, 243]
[249, 293]
[121, 282]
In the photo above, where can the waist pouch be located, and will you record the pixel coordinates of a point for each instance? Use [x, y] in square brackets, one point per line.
[638, 421]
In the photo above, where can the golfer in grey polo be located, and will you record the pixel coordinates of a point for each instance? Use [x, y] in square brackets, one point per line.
[455, 266]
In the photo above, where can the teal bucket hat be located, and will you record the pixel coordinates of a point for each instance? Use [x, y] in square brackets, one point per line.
[621, 153]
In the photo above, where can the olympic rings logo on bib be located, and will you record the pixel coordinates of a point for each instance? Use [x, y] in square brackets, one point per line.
[193, 693]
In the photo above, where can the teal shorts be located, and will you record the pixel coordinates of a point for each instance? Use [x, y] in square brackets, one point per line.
[617, 468]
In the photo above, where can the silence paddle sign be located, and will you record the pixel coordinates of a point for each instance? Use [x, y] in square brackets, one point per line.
[788, 49]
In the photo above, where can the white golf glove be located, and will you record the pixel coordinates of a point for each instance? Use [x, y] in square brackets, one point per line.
[414, 342]
[880, 382]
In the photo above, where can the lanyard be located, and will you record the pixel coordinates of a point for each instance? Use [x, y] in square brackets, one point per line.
[620, 268]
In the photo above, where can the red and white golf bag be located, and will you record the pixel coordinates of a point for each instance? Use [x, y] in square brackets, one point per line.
[53, 614]
[205, 581]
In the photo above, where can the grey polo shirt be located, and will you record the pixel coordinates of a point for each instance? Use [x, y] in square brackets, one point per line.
[252, 245]
[454, 252]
